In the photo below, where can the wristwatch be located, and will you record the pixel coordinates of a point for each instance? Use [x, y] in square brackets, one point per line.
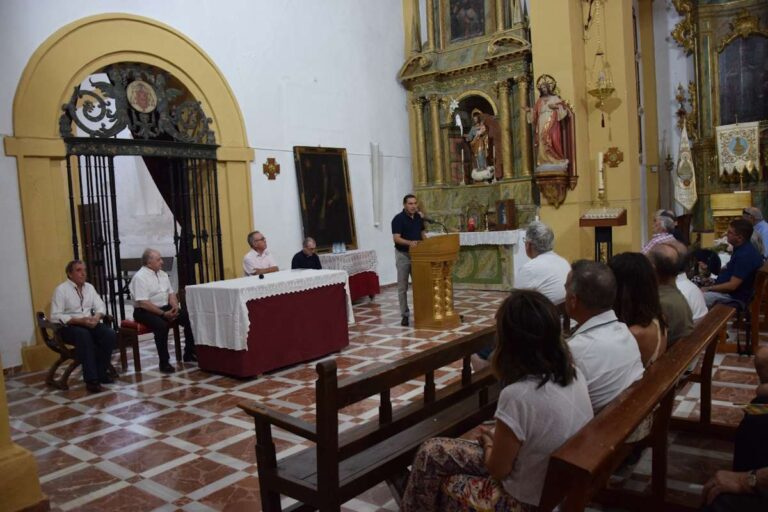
[752, 480]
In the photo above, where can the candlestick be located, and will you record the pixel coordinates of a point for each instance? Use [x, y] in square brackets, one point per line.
[600, 177]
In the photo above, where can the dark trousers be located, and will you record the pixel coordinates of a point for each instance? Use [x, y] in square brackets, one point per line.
[739, 503]
[750, 451]
[160, 327]
[93, 348]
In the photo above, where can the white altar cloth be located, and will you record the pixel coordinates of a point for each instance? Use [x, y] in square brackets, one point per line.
[218, 311]
[353, 262]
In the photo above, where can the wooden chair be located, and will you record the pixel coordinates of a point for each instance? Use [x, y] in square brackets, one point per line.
[51, 333]
[128, 335]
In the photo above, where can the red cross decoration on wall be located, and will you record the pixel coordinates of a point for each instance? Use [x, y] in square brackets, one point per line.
[271, 168]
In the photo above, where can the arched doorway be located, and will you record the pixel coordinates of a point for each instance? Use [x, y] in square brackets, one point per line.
[62, 62]
[168, 133]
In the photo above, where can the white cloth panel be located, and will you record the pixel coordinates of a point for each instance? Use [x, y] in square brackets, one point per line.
[218, 311]
[352, 262]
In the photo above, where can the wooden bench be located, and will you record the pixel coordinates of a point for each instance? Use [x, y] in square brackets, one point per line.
[341, 466]
[579, 469]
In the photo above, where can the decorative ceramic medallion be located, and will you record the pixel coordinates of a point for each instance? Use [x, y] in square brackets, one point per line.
[141, 96]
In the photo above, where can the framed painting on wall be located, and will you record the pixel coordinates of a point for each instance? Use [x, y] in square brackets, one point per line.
[325, 196]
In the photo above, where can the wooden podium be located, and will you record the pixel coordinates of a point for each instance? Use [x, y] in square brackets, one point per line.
[432, 268]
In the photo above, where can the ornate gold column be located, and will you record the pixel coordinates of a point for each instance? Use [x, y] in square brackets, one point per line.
[416, 28]
[437, 147]
[506, 136]
[525, 129]
[430, 24]
[421, 156]
[500, 18]
[20, 489]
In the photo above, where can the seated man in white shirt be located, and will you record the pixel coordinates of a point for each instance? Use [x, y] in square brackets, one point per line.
[692, 293]
[76, 304]
[157, 307]
[602, 347]
[258, 261]
[547, 271]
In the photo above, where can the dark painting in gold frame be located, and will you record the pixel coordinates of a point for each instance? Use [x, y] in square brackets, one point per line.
[325, 196]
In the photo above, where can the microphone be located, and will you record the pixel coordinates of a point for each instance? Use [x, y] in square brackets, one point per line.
[433, 221]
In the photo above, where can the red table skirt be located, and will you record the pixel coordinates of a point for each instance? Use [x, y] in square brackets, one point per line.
[285, 330]
[364, 284]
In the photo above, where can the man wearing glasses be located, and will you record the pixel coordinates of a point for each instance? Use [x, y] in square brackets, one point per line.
[735, 282]
[258, 260]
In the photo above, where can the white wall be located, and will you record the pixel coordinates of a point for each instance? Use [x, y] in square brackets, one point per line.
[672, 68]
[304, 72]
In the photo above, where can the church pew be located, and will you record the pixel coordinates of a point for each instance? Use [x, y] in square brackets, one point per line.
[343, 465]
[579, 469]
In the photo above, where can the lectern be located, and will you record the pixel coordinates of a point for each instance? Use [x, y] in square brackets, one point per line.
[432, 268]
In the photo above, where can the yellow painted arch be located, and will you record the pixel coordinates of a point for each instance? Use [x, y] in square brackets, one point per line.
[83, 47]
[63, 61]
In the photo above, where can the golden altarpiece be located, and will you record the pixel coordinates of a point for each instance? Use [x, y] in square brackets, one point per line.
[471, 64]
[728, 41]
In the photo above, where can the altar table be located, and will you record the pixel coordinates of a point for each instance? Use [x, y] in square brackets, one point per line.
[247, 326]
[361, 265]
[489, 260]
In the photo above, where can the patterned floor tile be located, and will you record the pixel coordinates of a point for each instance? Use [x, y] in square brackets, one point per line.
[163, 442]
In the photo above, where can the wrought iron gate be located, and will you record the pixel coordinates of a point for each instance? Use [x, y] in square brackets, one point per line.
[172, 135]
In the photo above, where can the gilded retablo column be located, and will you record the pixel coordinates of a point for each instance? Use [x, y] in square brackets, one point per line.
[506, 135]
[421, 154]
[437, 147]
[430, 25]
[525, 130]
[499, 15]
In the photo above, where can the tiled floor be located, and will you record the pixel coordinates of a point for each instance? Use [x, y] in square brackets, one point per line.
[158, 442]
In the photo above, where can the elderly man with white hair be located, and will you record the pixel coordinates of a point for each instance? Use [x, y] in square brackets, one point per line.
[760, 227]
[157, 306]
[663, 227]
[547, 271]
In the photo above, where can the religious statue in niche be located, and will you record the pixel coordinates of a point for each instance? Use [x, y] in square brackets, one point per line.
[475, 150]
[478, 138]
[554, 141]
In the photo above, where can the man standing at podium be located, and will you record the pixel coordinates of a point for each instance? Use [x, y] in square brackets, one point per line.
[407, 230]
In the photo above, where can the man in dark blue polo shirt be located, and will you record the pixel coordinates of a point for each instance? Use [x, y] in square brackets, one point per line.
[306, 257]
[735, 283]
[407, 230]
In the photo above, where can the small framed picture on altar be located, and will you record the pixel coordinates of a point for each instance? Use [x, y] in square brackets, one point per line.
[506, 215]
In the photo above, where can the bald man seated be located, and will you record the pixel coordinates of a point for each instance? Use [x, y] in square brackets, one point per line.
[667, 262]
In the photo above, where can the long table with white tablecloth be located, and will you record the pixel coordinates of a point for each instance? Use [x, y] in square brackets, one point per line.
[361, 265]
[247, 326]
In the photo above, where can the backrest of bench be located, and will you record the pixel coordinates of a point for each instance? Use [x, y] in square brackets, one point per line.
[332, 396]
[586, 460]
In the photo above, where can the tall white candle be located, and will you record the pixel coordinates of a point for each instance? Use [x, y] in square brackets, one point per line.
[600, 177]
